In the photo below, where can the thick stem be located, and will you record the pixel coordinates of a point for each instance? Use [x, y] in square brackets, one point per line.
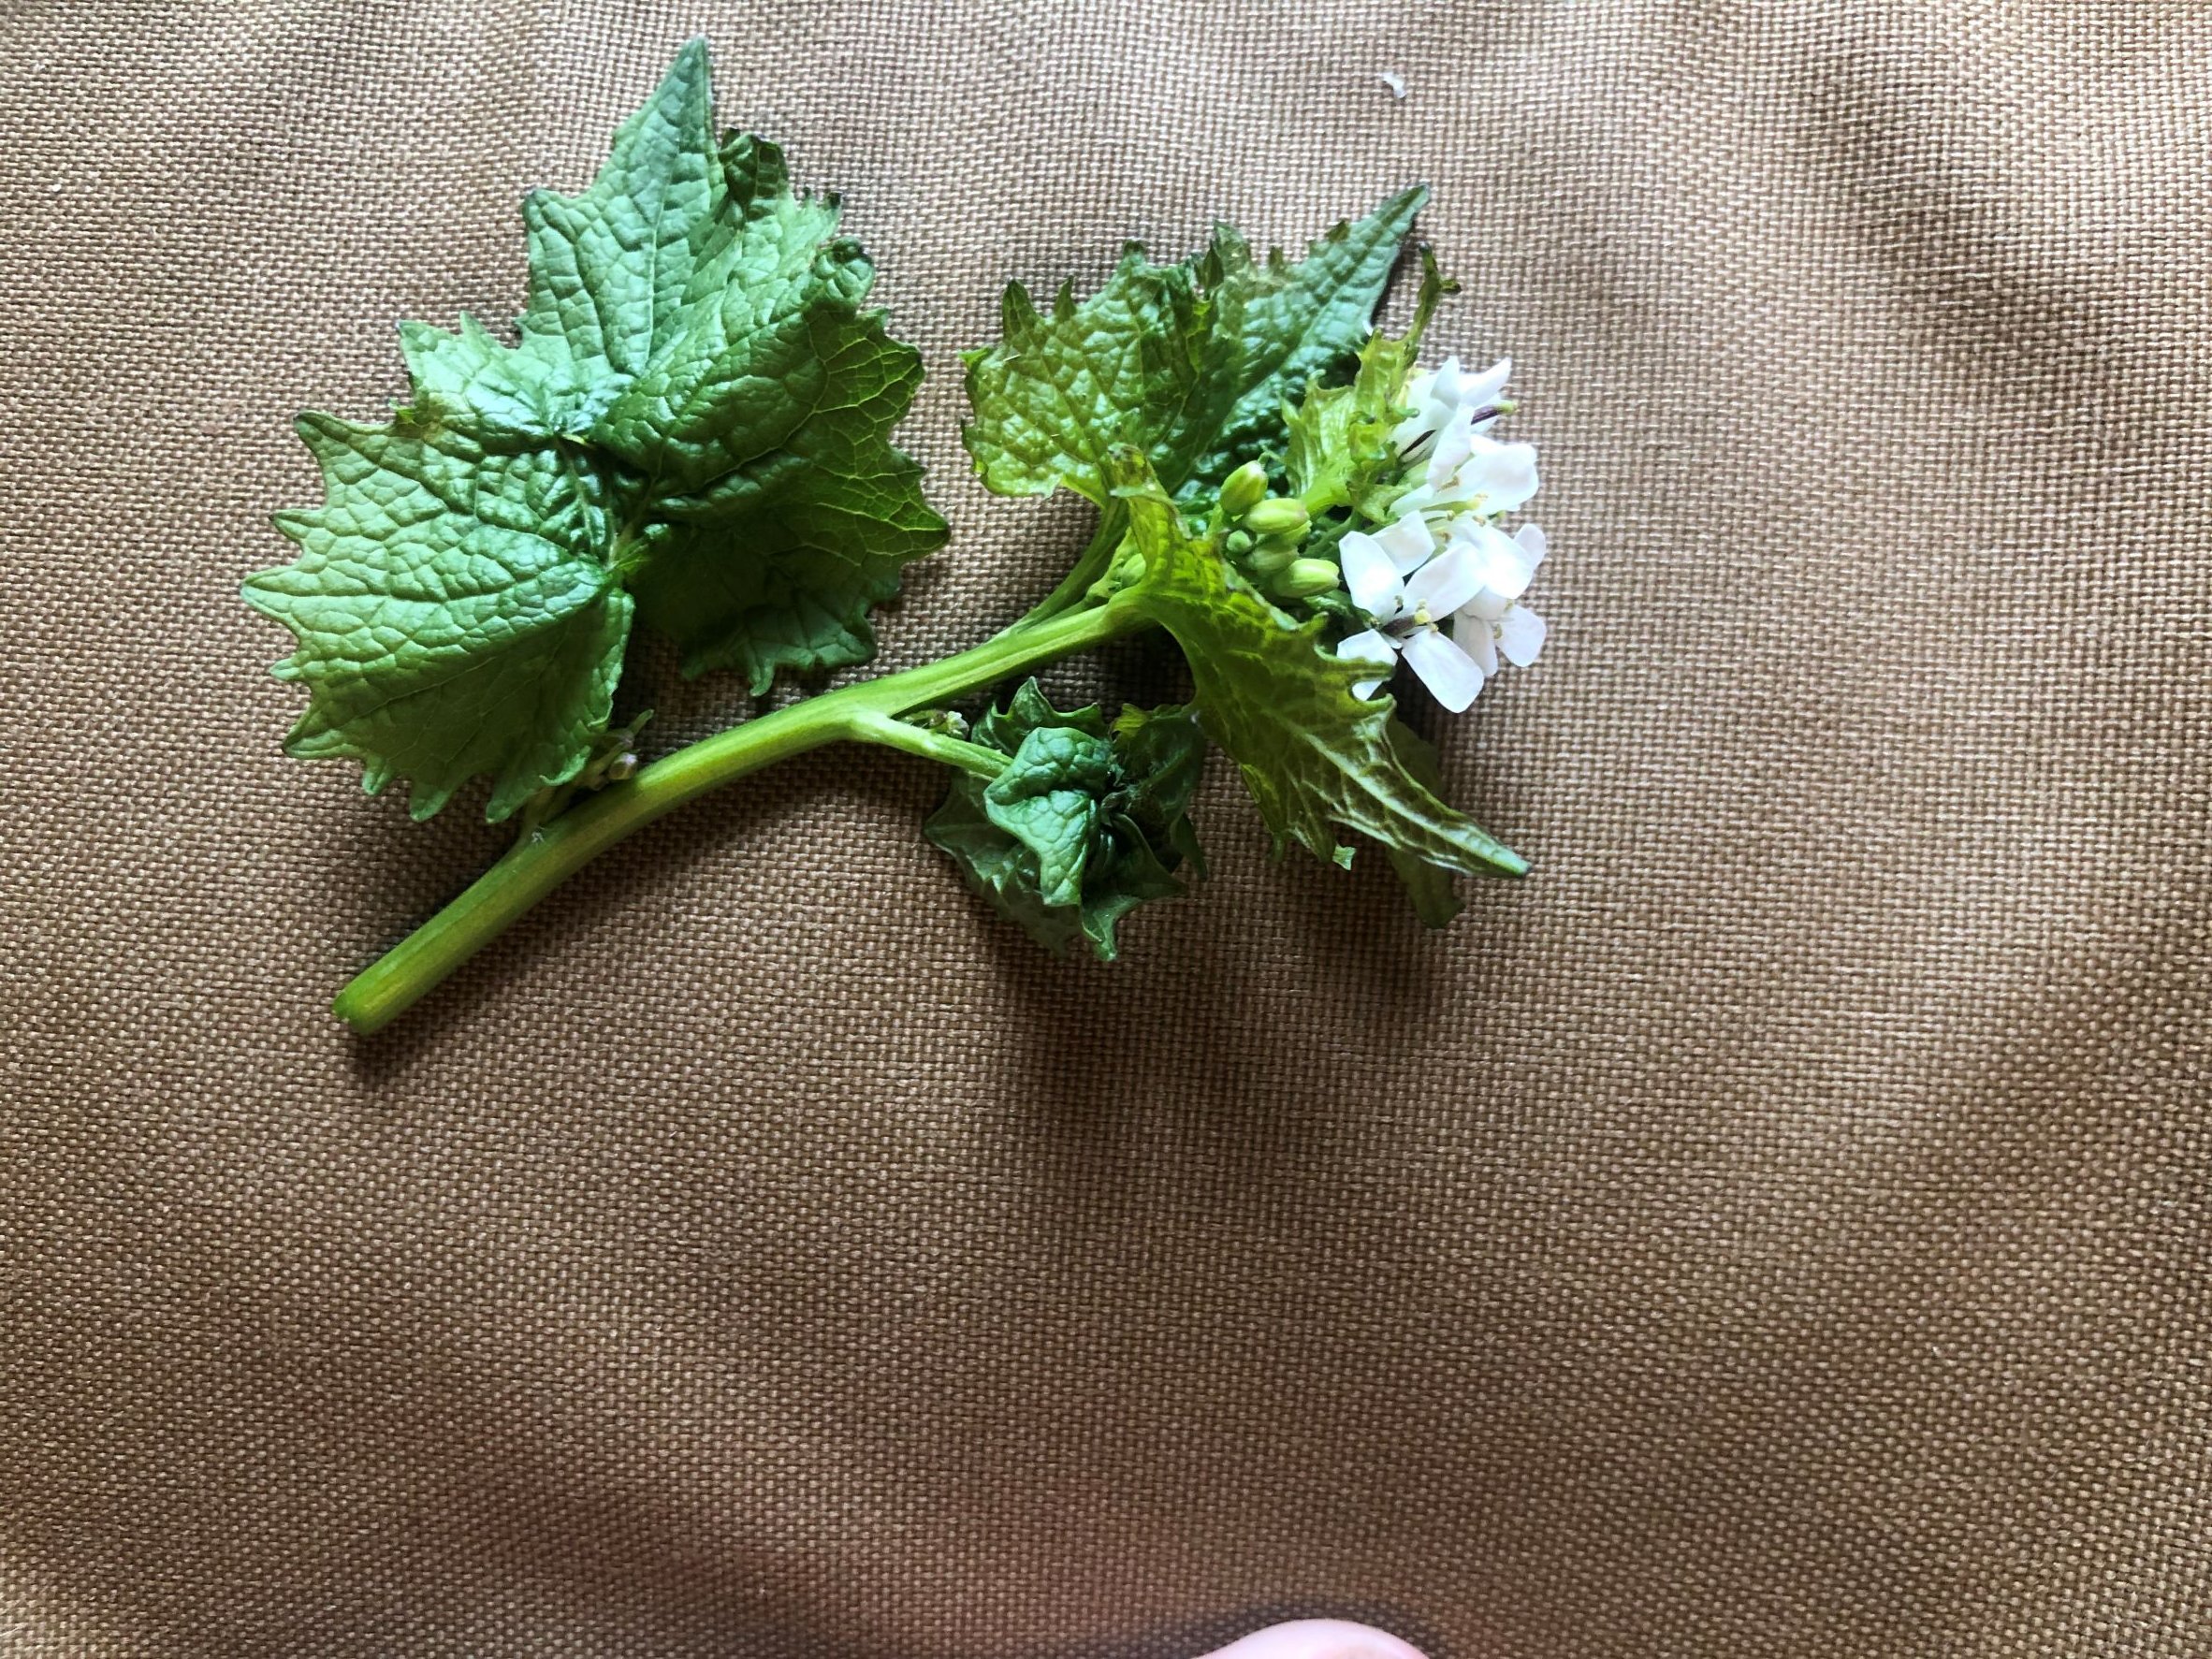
[543, 860]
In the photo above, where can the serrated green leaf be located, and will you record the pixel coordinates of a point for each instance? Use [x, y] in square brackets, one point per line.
[695, 371]
[1298, 323]
[1429, 888]
[1339, 437]
[1190, 364]
[453, 615]
[611, 269]
[1315, 758]
[1086, 823]
[1341, 450]
[777, 563]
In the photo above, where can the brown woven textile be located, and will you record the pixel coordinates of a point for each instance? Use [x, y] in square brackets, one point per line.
[1778, 1226]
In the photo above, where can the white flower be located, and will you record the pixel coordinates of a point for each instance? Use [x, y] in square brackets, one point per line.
[1462, 468]
[1493, 622]
[1405, 611]
[1444, 392]
[1469, 472]
[1411, 589]
[1475, 583]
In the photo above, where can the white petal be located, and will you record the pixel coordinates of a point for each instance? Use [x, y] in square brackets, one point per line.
[1521, 636]
[1533, 543]
[1443, 385]
[1477, 391]
[1477, 636]
[1407, 541]
[1505, 573]
[1449, 673]
[1445, 583]
[1370, 647]
[1504, 475]
[1370, 576]
[1454, 444]
[1502, 569]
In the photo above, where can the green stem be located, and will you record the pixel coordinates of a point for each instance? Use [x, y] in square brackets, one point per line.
[540, 861]
[893, 733]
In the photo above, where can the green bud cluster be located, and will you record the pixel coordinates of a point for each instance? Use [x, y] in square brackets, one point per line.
[1265, 534]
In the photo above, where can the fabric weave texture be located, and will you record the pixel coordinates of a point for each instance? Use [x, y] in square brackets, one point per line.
[1777, 1227]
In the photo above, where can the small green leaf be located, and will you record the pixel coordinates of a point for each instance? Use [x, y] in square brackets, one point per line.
[1002, 871]
[1341, 450]
[1029, 710]
[1190, 364]
[1315, 757]
[1161, 752]
[1084, 824]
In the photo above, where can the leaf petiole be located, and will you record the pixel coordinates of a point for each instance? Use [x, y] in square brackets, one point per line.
[549, 855]
[866, 726]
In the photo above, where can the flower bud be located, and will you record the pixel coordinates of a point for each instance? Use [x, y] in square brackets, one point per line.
[1279, 517]
[1243, 490]
[1240, 543]
[1271, 557]
[1302, 578]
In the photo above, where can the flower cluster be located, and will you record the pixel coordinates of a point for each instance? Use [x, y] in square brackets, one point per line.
[1444, 563]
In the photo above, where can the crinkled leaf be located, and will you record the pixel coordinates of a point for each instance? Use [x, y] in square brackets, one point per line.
[1029, 710]
[1048, 798]
[453, 613]
[1138, 876]
[1084, 824]
[1190, 364]
[1002, 871]
[1161, 752]
[695, 371]
[1315, 757]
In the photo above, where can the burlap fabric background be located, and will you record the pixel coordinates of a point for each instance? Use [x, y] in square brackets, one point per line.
[1778, 1226]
